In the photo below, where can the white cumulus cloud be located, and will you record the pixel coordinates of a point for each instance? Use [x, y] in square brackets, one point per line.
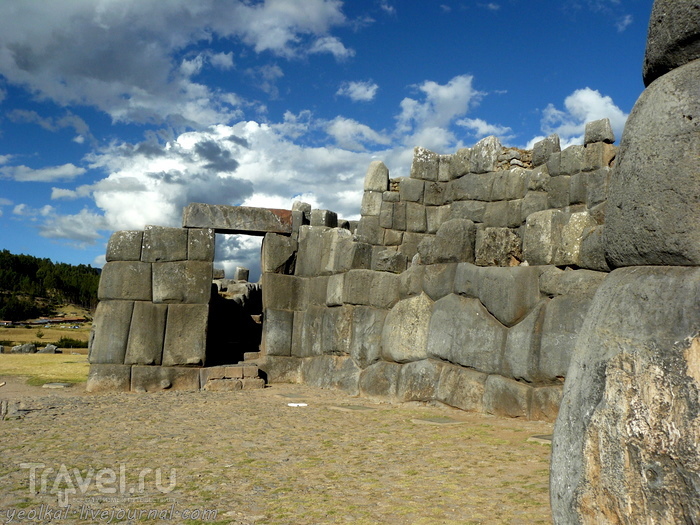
[359, 91]
[54, 173]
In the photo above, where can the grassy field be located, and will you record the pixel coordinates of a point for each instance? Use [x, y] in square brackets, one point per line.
[11, 336]
[45, 368]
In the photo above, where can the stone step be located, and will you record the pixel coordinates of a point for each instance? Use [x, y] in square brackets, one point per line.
[250, 356]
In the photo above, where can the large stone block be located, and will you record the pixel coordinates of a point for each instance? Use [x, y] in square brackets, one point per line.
[507, 397]
[186, 282]
[498, 247]
[108, 378]
[554, 281]
[471, 210]
[592, 253]
[484, 157]
[156, 378]
[367, 325]
[410, 243]
[317, 290]
[371, 203]
[336, 330]
[625, 440]
[326, 218]
[598, 155]
[425, 164]
[386, 215]
[377, 177]
[496, 214]
[186, 335]
[201, 244]
[436, 216]
[438, 280]
[653, 212]
[311, 251]
[146, 335]
[467, 280]
[278, 369]
[389, 261]
[418, 381]
[411, 190]
[598, 131]
[380, 380]
[569, 248]
[411, 281]
[545, 402]
[163, 244]
[597, 186]
[237, 219]
[462, 388]
[509, 294]
[436, 193]
[328, 371]
[277, 332]
[416, 220]
[542, 236]
[543, 149]
[673, 38]
[124, 246]
[454, 242]
[571, 160]
[563, 320]
[462, 331]
[311, 330]
[521, 357]
[125, 280]
[278, 254]
[558, 189]
[405, 331]
[369, 231]
[110, 332]
[283, 292]
[460, 163]
[476, 187]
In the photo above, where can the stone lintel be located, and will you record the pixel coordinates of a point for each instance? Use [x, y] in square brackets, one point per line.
[237, 219]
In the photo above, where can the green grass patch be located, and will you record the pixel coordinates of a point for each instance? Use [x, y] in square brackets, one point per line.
[45, 368]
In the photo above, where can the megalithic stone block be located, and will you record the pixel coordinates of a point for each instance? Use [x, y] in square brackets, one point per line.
[161, 244]
[237, 219]
[201, 244]
[145, 345]
[186, 335]
[110, 332]
[125, 280]
[182, 282]
[125, 246]
[108, 378]
[377, 177]
[156, 378]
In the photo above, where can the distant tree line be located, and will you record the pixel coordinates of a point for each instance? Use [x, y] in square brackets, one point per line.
[24, 278]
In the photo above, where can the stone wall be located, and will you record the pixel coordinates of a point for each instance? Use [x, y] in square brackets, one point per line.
[466, 283]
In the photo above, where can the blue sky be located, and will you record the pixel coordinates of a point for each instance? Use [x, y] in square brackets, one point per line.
[114, 114]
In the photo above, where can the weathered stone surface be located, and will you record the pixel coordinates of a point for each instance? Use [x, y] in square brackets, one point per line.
[277, 332]
[509, 294]
[335, 290]
[418, 381]
[201, 244]
[411, 281]
[471, 210]
[371, 203]
[598, 131]
[367, 325]
[409, 245]
[558, 188]
[554, 281]
[545, 402]
[542, 236]
[223, 385]
[597, 186]
[463, 332]
[543, 149]
[521, 357]
[110, 332]
[391, 196]
[454, 242]
[317, 290]
[578, 188]
[461, 163]
[411, 190]
[416, 220]
[336, 330]
[379, 380]
[328, 371]
[311, 330]
[146, 335]
[438, 280]
[279, 369]
[436, 216]
[653, 209]
[27, 348]
[475, 187]
[436, 193]
[405, 331]
[126, 280]
[571, 160]
[278, 254]
[484, 157]
[467, 280]
[377, 177]
[283, 292]
[124, 246]
[498, 247]
[108, 378]
[554, 165]
[496, 214]
[156, 378]
[598, 155]
[386, 215]
[461, 387]
[369, 231]
[592, 253]
[182, 282]
[563, 320]
[325, 218]
[162, 244]
[389, 261]
[673, 38]
[186, 335]
[569, 248]
[425, 164]
[506, 397]
[48, 349]
[444, 168]
[625, 441]
[237, 219]
[399, 219]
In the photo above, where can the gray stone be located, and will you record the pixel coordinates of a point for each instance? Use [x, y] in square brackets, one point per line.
[578, 188]
[444, 168]
[393, 238]
[386, 215]
[558, 191]
[110, 332]
[499, 186]
[201, 244]
[461, 163]
[391, 196]
[330, 371]
[484, 157]
[182, 282]
[653, 213]
[462, 388]
[26, 348]
[369, 231]
[241, 274]
[571, 237]
[380, 380]
[543, 149]
[597, 190]
[411, 190]
[436, 193]
[278, 254]
[312, 251]
[325, 218]
[277, 332]
[463, 332]
[405, 331]
[571, 160]
[673, 39]
[124, 246]
[317, 290]
[425, 164]
[471, 210]
[389, 261]
[108, 378]
[418, 381]
[377, 177]
[338, 251]
[598, 131]
[416, 220]
[545, 402]
[498, 247]
[533, 202]
[162, 244]
[125, 280]
[625, 439]
[146, 335]
[507, 397]
[335, 290]
[467, 280]
[279, 369]
[365, 344]
[384, 289]
[537, 178]
[592, 253]
[509, 294]
[371, 203]
[336, 330]
[521, 357]
[516, 183]
[542, 236]
[357, 286]
[435, 217]
[283, 292]
[563, 319]
[454, 242]
[438, 280]
[475, 187]
[237, 219]
[49, 349]
[411, 281]
[554, 281]
[497, 214]
[411, 240]
[554, 165]
[157, 378]
[186, 335]
[399, 219]
[311, 330]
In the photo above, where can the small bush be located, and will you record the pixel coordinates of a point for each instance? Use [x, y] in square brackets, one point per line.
[5, 342]
[67, 342]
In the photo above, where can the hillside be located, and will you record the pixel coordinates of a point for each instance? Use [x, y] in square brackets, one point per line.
[32, 287]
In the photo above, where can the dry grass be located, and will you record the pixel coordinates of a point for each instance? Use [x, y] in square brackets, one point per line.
[45, 368]
[20, 335]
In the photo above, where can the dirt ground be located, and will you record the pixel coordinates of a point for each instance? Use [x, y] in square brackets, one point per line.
[251, 458]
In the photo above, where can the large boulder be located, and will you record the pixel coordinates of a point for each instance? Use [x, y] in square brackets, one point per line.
[653, 211]
[625, 440]
[405, 331]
